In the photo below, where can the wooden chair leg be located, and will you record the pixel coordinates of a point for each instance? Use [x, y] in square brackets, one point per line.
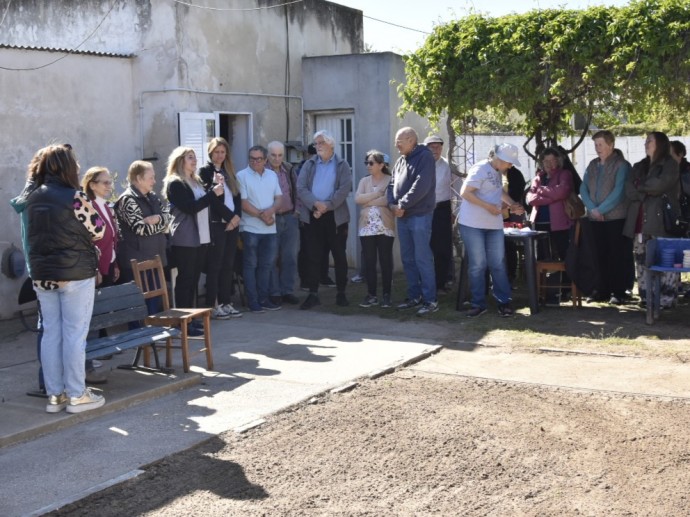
[147, 357]
[168, 352]
[184, 346]
[207, 341]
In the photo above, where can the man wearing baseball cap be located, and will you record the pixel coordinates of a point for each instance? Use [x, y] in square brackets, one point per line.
[442, 223]
[481, 228]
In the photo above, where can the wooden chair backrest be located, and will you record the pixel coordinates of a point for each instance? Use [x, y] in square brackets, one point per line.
[150, 277]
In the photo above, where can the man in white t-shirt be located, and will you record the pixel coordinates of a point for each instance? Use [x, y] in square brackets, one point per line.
[261, 197]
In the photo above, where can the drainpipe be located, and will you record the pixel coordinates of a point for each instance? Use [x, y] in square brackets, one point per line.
[207, 92]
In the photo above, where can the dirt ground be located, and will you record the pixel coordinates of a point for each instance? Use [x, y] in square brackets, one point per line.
[423, 444]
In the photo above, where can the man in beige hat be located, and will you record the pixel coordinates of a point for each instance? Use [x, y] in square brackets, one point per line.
[442, 223]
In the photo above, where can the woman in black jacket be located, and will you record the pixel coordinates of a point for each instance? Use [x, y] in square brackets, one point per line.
[189, 226]
[225, 227]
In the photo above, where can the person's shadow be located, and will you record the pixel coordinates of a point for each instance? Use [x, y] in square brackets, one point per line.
[195, 470]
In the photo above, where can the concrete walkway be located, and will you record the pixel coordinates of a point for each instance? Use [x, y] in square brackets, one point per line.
[264, 363]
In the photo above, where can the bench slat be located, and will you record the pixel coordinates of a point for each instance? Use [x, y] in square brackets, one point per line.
[117, 297]
[102, 346]
[112, 319]
[117, 305]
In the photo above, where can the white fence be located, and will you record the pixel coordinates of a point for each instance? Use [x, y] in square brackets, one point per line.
[631, 146]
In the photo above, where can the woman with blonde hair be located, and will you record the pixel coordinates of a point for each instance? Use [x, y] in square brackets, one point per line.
[225, 222]
[190, 232]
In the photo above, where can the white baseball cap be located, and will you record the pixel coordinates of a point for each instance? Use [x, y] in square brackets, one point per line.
[508, 153]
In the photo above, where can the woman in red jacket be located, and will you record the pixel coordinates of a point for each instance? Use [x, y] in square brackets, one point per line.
[97, 184]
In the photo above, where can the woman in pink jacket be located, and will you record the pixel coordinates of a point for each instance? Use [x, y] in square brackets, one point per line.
[550, 188]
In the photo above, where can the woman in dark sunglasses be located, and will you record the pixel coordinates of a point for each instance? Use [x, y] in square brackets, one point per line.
[376, 227]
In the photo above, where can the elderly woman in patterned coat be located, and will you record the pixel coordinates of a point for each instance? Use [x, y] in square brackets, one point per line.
[142, 219]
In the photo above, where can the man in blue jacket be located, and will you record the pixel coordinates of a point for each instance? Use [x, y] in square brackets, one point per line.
[412, 198]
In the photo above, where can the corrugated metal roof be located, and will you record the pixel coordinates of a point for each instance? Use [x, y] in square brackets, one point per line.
[66, 50]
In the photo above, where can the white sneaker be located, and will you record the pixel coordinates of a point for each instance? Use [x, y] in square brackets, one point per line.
[231, 311]
[87, 401]
[217, 313]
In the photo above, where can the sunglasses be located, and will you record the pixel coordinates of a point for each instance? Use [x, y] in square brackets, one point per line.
[370, 163]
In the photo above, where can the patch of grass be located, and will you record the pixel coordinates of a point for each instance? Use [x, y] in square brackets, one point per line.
[595, 327]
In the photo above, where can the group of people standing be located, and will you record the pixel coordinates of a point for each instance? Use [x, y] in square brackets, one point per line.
[625, 209]
[76, 242]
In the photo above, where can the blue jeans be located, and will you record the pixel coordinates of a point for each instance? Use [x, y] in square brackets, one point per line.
[485, 249]
[284, 273]
[259, 256]
[414, 233]
[66, 315]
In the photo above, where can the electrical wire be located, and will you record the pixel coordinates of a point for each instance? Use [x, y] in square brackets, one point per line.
[189, 4]
[6, 11]
[394, 24]
[71, 51]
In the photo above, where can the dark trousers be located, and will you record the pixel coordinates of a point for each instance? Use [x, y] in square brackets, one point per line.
[189, 261]
[380, 246]
[442, 242]
[614, 252]
[220, 262]
[323, 233]
[303, 262]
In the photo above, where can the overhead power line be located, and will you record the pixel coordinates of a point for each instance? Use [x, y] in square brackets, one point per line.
[394, 24]
[68, 52]
[197, 6]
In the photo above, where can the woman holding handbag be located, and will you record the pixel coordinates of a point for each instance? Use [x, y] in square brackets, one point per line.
[650, 181]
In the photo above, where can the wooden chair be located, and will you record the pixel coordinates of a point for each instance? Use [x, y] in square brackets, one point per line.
[545, 267]
[149, 276]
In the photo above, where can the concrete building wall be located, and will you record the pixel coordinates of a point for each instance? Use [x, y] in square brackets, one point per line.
[99, 104]
[82, 100]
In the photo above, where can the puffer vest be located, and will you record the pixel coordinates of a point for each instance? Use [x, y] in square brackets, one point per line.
[601, 181]
[60, 246]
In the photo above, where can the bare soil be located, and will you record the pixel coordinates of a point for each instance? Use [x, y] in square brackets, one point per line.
[427, 444]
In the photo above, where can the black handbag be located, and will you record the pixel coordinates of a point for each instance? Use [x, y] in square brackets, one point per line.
[673, 223]
[684, 198]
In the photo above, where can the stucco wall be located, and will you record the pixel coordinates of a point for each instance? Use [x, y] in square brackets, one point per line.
[84, 100]
[96, 102]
